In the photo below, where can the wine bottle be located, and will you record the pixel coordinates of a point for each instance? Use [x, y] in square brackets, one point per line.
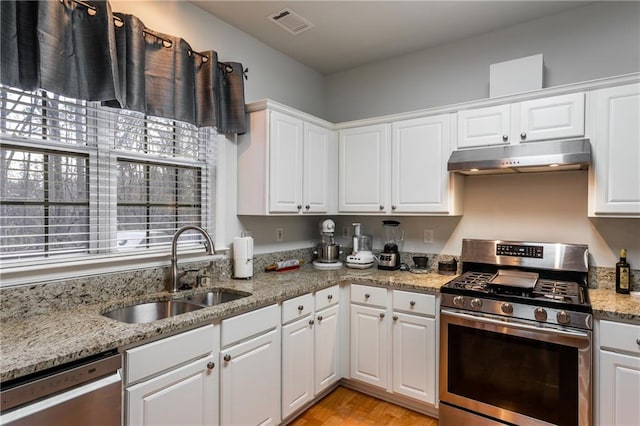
[623, 274]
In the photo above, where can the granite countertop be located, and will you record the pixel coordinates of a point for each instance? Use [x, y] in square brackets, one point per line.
[38, 342]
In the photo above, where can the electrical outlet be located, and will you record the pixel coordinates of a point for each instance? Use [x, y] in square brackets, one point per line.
[428, 236]
[279, 234]
[345, 232]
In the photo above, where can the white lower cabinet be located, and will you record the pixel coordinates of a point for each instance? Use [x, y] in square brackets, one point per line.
[250, 369]
[369, 345]
[173, 381]
[619, 374]
[414, 356]
[310, 347]
[184, 396]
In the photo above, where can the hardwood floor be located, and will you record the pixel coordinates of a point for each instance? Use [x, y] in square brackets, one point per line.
[347, 407]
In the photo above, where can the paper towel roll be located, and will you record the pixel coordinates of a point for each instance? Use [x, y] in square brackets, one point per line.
[243, 257]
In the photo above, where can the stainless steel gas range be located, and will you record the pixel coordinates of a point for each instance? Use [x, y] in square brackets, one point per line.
[515, 336]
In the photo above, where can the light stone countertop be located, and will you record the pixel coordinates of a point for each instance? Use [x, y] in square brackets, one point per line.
[46, 340]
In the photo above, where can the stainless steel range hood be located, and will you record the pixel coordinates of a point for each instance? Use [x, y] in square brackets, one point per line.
[526, 157]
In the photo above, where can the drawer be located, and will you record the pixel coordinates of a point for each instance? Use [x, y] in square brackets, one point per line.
[327, 297]
[246, 325]
[297, 307]
[419, 303]
[620, 336]
[152, 358]
[367, 295]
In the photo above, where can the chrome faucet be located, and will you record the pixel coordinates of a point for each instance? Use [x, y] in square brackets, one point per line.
[208, 243]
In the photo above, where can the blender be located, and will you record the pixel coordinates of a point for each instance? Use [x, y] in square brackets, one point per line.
[392, 237]
[362, 256]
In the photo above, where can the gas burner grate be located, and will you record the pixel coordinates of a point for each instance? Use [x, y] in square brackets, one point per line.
[565, 291]
[471, 281]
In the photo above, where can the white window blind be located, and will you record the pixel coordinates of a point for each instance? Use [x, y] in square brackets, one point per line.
[79, 180]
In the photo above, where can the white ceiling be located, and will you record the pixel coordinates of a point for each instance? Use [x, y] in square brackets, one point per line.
[348, 34]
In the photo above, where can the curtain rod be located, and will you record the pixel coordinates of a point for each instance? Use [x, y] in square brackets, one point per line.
[92, 11]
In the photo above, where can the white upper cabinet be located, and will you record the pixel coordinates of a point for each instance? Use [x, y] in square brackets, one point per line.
[398, 168]
[364, 154]
[484, 126]
[420, 182]
[614, 188]
[556, 117]
[286, 165]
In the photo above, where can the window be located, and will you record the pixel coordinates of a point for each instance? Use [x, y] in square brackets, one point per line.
[79, 180]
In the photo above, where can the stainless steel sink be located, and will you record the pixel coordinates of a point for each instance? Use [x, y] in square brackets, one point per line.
[216, 297]
[153, 311]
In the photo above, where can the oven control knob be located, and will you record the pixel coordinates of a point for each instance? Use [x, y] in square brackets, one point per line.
[540, 314]
[506, 308]
[563, 318]
[476, 303]
[458, 300]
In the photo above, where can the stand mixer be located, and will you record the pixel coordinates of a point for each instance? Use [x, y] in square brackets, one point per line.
[328, 251]
[362, 257]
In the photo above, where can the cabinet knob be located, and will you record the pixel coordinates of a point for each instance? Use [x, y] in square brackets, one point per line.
[412, 303]
[393, 207]
[300, 307]
[307, 207]
[211, 365]
[319, 318]
[505, 137]
[299, 206]
[638, 342]
[367, 295]
[381, 207]
[227, 357]
[395, 318]
[523, 135]
[311, 322]
[330, 296]
[381, 314]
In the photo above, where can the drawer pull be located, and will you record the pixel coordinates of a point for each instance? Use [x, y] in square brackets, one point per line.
[311, 322]
[367, 295]
[319, 318]
[227, 357]
[300, 307]
[523, 135]
[412, 303]
[395, 318]
[638, 342]
[381, 315]
[330, 296]
[211, 365]
[505, 138]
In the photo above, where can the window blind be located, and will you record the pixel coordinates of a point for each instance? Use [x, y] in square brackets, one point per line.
[79, 179]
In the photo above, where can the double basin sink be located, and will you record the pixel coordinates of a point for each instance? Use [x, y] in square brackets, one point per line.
[153, 311]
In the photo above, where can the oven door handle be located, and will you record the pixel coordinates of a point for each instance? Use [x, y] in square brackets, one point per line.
[486, 320]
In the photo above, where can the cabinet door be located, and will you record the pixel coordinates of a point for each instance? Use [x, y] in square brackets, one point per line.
[484, 126]
[616, 151]
[186, 395]
[327, 349]
[414, 357]
[619, 389]
[369, 345]
[318, 156]
[250, 382]
[285, 163]
[364, 169]
[551, 118]
[419, 176]
[297, 365]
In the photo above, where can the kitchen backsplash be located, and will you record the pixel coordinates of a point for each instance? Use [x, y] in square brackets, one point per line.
[17, 302]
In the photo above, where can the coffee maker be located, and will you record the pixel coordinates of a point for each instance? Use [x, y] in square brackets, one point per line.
[392, 237]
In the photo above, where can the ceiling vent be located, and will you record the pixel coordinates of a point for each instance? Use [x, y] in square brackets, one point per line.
[290, 21]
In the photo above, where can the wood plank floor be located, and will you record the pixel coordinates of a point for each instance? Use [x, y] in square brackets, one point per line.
[347, 407]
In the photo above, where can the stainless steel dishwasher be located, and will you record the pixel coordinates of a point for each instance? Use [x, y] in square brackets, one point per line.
[85, 392]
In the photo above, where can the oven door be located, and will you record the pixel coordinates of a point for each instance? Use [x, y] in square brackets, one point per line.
[494, 370]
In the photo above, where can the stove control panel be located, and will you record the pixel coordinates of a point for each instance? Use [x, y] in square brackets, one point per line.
[519, 250]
